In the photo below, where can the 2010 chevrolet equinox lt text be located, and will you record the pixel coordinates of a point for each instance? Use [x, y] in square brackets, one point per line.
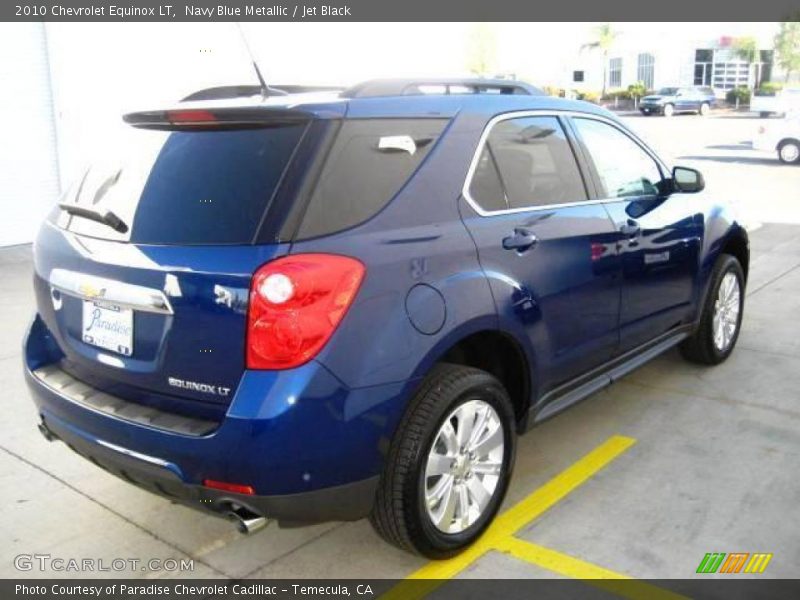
[332, 305]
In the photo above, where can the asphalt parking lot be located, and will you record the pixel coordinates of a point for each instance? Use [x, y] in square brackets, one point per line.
[642, 479]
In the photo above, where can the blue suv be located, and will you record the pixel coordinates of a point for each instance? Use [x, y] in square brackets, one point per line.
[671, 100]
[326, 306]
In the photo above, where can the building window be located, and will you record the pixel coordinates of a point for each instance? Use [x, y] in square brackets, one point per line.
[728, 75]
[615, 73]
[703, 61]
[729, 71]
[577, 76]
[645, 70]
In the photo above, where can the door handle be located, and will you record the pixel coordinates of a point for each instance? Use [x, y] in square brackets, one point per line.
[521, 240]
[630, 229]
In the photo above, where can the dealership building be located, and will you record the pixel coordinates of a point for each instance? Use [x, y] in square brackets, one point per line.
[676, 54]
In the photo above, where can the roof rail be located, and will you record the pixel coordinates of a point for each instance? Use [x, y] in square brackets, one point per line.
[245, 91]
[413, 87]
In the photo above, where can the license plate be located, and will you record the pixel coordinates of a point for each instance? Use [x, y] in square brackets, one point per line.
[108, 326]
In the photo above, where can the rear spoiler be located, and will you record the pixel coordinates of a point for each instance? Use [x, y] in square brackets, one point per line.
[245, 91]
[216, 118]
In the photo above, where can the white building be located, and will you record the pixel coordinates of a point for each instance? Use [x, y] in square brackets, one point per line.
[675, 54]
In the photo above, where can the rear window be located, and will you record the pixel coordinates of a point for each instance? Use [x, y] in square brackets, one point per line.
[186, 187]
[369, 162]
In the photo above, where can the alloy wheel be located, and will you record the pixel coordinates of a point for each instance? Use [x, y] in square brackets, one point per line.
[464, 466]
[726, 311]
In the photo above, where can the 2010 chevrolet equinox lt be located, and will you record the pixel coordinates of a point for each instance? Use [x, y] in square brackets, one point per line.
[334, 305]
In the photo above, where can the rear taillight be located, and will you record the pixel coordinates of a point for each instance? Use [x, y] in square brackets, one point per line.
[296, 303]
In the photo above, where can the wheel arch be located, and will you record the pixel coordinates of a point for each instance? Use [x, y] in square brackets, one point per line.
[737, 245]
[787, 140]
[493, 350]
[734, 242]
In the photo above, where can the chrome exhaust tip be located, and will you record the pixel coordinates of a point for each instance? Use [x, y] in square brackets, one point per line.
[247, 521]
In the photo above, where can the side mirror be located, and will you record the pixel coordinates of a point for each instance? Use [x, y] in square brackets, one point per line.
[687, 180]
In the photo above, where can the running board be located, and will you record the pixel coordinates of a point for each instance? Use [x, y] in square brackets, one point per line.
[561, 398]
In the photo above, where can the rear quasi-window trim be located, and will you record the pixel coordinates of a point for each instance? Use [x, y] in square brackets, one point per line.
[368, 164]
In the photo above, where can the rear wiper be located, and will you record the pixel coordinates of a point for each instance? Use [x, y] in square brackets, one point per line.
[106, 218]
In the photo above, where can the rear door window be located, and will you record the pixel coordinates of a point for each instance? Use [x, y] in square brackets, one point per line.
[526, 162]
[186, 187]
[368, 164]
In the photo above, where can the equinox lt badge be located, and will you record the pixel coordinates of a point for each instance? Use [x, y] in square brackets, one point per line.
[205, 388]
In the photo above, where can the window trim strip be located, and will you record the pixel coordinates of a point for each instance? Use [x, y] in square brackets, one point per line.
[570, 137]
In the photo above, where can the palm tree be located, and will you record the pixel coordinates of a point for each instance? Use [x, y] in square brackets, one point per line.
[482, 50]
[604, 38]
[787, 46]
[746, 49]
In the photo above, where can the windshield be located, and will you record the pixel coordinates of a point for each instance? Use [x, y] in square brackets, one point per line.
[185, 187]
[667, 91]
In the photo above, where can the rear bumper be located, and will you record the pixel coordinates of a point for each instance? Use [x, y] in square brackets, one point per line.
[310, 447]
[341, 503]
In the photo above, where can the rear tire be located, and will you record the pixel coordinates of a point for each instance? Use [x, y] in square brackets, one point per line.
[709, 344]
[406, 507]
[789, 152]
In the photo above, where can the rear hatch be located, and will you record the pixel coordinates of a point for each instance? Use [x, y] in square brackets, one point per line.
[143, 273]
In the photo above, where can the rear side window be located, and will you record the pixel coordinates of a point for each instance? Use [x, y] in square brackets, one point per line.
[187, 187]
[526, 162]
[369, 162]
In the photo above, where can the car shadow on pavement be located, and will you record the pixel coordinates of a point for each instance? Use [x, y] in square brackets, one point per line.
[739, 146]
[746, 160]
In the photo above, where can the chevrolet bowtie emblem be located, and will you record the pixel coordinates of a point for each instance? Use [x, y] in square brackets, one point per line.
[89, 291]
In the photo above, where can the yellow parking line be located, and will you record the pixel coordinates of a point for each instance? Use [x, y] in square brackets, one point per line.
[513, 519]
[559, 486]
[569, 566]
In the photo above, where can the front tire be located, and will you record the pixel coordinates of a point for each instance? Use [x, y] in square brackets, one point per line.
[705, 109]
[721, 319]
[668, 110]
[449, 463]
[789, 152]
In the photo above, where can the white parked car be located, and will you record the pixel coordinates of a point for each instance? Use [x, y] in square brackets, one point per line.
[782, 103]
[781, 136]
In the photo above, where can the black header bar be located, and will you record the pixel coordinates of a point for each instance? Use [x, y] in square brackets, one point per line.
[399, 10]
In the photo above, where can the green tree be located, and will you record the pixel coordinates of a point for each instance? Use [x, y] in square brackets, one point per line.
[604, 37]
[787, 47]
[636, 91]
[482, 50]
[746, 49]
